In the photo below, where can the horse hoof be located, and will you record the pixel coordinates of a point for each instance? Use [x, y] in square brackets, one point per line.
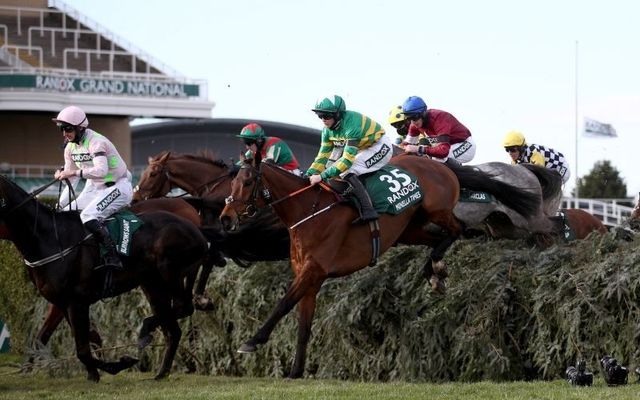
[161, 375]
[128, 362]
[202, 303]
[144, 341]
[440, 269]
[438, 285]
[246, 348]
[93, 376]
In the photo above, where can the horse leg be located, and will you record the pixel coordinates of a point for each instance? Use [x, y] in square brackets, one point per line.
[435, 269]
[163, 315]
[201, 301]
[306, 308]
[79, 321]
[52, 319]
[299, 287]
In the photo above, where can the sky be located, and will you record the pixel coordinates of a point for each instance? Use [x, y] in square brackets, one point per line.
[495, 65]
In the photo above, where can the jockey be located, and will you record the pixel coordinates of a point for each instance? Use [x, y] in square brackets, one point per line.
[520, 152]
[89, 155]
[399, 121]
[352, 144]
[447, 137]
[270, 147]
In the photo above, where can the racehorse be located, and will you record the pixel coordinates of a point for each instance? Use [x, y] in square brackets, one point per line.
[210, 179]
[62, 262]
[498, 220]
[324, 242]
[579, 222]
[198, 175]
[179, 207]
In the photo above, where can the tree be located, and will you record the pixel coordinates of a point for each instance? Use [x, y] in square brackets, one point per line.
[602, 182]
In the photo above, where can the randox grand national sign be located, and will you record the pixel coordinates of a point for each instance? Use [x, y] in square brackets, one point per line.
[83, 85]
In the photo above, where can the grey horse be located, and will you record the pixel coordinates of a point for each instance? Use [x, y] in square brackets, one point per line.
[482, 212]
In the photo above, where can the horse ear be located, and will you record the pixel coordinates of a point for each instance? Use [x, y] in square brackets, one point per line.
[164, 157]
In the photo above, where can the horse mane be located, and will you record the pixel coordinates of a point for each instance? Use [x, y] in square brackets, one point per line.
[204, 155]
[72, 215]
[550, 180]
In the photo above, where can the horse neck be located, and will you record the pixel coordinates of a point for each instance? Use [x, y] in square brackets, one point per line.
[32, 228]
[198, 177]
[292, 210]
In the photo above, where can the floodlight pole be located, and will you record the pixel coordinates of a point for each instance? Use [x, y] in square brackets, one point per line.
[576, 194]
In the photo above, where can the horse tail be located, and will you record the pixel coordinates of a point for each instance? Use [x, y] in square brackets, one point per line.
[523, 202]
[550, 180]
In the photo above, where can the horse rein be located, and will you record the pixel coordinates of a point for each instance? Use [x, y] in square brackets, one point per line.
[63, 252]
[251, 208]
[195, 191]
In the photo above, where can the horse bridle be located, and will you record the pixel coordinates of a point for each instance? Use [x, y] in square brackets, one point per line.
[251, 208]
[165, 171]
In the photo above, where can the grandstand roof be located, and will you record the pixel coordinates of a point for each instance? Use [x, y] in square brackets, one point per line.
[54, 56]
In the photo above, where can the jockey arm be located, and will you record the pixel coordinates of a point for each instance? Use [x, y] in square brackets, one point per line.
[273, 153]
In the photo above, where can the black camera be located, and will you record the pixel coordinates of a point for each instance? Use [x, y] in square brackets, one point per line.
[614, 374]
[578, 375]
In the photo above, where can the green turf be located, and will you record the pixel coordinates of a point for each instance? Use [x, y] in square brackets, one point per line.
[141, 386]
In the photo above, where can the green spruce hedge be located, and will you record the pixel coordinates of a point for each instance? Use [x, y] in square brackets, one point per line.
[511, 312]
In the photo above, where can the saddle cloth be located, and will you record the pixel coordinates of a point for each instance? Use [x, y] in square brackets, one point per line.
[121, 226]
[392, 189]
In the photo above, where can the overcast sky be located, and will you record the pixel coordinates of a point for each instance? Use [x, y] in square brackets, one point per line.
[495, 65]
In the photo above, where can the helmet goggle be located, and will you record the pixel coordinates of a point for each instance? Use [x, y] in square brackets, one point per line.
[325, 115]
[400, 124]
[512, 149]
[413, 116]
[249, 142]
[66, 127]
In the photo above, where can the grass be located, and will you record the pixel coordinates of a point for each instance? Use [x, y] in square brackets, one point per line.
[141, 386]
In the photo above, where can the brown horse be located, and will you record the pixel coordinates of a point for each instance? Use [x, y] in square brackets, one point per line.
[210, 180]
[55, 315]
[198, 175]
[576, 224]
[324, 242]
[62, 261]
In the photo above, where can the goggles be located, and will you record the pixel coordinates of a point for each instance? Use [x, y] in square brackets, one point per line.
[325, 116]
[66, 128]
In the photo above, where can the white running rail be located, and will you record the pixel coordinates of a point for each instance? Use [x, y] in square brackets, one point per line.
[608, 210]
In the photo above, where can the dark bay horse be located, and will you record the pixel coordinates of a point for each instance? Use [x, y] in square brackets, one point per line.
[210, 180]
[62, 257]
[324, 242]
[179, 207]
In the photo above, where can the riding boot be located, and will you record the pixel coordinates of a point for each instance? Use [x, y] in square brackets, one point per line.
[111, 259]
[367, 212]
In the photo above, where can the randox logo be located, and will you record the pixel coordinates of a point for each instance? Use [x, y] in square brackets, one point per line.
[377, 156]
[108, 200]
[460, 150]
[81, 157]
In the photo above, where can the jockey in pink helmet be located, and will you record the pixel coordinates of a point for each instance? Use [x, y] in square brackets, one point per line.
[91, 156]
